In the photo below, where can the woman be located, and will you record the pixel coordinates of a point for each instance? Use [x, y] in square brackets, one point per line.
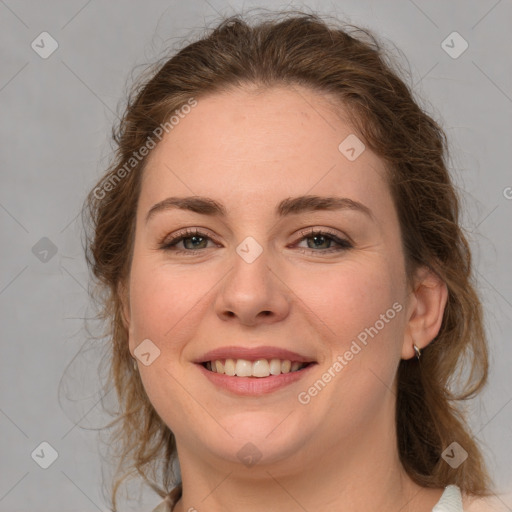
[289, 289]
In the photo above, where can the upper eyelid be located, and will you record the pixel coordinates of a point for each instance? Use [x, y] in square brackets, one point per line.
[191, 231]
[186, 233]
[302, 233]
[328, 231]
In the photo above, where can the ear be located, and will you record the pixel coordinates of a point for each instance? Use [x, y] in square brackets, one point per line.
[425, 311]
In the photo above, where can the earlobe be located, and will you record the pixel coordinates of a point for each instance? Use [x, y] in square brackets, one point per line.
[430, 296]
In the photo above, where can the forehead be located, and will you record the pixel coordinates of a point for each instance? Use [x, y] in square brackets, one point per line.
[279, 141]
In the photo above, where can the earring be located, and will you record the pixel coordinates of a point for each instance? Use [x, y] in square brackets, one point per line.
[135, 365]
[417, 350]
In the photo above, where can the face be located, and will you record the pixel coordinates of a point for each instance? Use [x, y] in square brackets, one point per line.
[267, 272]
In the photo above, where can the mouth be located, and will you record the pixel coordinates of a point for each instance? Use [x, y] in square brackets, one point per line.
[259, 368]
[253, 371]
[242, 377]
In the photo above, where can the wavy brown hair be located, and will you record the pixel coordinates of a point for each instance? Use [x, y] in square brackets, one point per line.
[350, 64]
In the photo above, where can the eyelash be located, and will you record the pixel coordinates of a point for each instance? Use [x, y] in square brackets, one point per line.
[167, 245]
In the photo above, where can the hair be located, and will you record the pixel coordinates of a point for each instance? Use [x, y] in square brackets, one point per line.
[350, 64]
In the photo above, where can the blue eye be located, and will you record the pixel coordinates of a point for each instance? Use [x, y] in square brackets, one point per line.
[320, 237]
[195, 241]
[196, 237]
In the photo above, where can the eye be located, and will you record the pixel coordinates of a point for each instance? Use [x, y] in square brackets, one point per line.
[191, 238]
[323, 238]
[194, 240]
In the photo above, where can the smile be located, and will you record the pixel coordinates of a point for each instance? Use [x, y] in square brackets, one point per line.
[259, 368]
[253, 378]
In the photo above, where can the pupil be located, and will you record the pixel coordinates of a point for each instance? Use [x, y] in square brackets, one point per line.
[195, 238]
[316, 238]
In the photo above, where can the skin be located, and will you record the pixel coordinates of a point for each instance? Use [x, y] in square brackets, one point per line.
[249, 150]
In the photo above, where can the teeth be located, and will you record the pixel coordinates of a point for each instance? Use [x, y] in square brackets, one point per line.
[275, 366]
[295, 366]
[229, 367]
[286, 366]
[243, 368]
[258, 368]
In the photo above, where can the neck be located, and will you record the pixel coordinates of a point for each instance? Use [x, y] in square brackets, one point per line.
[358, 473]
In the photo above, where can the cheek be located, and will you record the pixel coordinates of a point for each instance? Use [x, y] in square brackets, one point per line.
[347, 298]
[362, 349]
[164, 300]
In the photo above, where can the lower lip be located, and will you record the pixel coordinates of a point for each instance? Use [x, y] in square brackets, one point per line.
[251, 386]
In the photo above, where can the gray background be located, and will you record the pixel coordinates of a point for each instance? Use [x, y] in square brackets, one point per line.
[54, 131]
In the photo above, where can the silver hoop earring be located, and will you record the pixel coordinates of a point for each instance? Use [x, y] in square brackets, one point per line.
[417, 350]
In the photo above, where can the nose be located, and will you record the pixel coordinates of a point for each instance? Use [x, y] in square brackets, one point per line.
[253, 293]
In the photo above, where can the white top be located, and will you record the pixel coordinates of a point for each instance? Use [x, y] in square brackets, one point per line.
[450, 501]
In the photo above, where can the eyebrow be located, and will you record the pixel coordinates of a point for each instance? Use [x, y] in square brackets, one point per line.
[289, 206]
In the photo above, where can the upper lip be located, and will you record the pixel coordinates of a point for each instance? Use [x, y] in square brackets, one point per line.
[251, 354]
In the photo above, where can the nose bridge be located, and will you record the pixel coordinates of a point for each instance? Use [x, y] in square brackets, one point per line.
[251, 291]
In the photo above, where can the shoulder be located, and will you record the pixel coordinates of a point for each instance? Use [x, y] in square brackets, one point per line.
[494, 503]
